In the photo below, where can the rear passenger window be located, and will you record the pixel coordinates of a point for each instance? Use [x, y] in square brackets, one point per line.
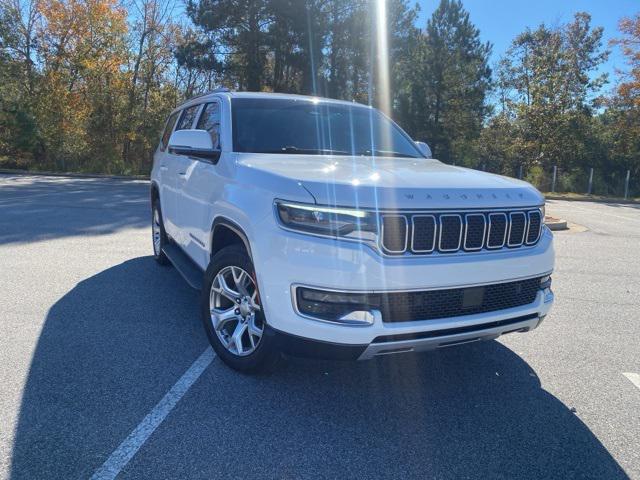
[210, 121]
[187, 118]
[168, 129]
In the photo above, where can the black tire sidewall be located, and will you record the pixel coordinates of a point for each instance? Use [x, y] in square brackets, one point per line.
[264, 355]
[160, 256]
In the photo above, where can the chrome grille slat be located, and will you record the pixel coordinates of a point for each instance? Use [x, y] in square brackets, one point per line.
[448, 232]
[512, 223]
[425, 233]
[474, 246]
[393, 244]
[535, 219]
[497, 228]
[430, 221]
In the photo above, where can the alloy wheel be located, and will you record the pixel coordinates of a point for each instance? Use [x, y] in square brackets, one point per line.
[235, 310]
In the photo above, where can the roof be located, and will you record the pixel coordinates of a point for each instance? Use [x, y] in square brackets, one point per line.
[291, 96]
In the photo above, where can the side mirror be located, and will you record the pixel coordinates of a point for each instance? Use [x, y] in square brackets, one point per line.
[424, 149]
[193, 143]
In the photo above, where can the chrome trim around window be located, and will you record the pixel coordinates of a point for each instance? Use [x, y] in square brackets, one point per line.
[413, 233]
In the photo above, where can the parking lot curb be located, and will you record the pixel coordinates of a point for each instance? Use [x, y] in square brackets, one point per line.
[555, 223]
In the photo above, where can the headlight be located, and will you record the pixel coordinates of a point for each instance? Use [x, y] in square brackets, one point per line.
[327, 221]
[543, 211]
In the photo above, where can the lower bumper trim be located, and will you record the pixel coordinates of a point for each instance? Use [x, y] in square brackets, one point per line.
[417, 342]
[410, 342]
[453, 331]
[306, 347]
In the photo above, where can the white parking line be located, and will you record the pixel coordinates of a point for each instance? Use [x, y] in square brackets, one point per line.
[129, 447]
[633, 377]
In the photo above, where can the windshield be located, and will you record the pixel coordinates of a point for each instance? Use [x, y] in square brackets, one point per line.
[292, 126]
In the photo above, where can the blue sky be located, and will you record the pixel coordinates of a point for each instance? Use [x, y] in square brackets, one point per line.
[500, 21]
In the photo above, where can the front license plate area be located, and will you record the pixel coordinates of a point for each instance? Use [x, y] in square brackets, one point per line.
[472, 297]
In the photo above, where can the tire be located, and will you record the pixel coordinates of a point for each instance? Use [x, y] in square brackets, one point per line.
[236, 340]
[158, 235]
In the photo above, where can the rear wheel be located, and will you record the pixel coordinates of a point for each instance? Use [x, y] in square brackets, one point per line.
[232, 314]
[158, 235]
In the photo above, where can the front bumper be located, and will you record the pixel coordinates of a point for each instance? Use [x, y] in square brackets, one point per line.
[420, 342]
[287, 258]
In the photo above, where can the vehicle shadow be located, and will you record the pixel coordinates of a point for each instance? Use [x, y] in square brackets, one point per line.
[112, 347]
[34, 208]
[108, 351]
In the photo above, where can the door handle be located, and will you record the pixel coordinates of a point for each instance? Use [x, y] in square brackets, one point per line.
[182, 173]
[163, 167]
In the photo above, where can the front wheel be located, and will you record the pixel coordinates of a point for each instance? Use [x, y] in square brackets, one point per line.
[232, 313]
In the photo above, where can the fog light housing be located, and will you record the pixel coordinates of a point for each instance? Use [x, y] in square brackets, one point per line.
[339, 307]
[545, 282]
[545, 286]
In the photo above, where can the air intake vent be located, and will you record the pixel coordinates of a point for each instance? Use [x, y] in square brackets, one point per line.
[517, 229]
[474, 232]
[423, 239]
[535, 223]
[497, 230]
[450, 233]
[394, 233]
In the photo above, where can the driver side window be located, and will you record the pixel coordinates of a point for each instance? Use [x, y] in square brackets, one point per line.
[210, 121]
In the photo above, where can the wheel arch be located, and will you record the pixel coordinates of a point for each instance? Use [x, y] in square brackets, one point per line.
[226, 232]
[154, 191]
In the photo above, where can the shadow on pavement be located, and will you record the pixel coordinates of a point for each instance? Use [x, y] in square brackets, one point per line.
[43, 208]
[108, 351]
[114, 345]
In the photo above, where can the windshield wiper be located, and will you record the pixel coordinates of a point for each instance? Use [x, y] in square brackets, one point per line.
[306, 151]
[384, 153]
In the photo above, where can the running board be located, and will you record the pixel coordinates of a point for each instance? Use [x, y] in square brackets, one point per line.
[185, 266]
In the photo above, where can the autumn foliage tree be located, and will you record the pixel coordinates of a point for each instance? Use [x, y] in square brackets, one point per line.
[85, 85]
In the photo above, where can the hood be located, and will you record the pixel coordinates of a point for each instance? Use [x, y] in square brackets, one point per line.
[384, 182]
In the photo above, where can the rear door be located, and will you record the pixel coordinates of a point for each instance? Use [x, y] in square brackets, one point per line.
[201, 185]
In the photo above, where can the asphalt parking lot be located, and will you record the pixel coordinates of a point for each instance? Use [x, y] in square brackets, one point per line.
[97, 372]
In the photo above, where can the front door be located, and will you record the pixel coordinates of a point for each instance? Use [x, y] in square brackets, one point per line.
[200, 186]
[177, 166]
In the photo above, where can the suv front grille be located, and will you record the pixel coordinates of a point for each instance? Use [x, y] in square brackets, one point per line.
[432, 304]
[451, 232]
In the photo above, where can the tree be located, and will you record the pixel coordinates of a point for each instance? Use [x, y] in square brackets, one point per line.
[444, 96]
[241, 25]
[620, 123]
[548, 90]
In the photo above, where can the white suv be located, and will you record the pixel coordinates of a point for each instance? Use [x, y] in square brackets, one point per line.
[318, 227]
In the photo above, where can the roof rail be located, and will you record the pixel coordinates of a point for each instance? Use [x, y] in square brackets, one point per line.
[215, 90]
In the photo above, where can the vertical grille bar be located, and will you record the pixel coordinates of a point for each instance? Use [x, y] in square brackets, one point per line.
[395, 233]
[450, 229]
[517, 229]
[474, 231]
[423, 233]
[497, 230]
[535, 226]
